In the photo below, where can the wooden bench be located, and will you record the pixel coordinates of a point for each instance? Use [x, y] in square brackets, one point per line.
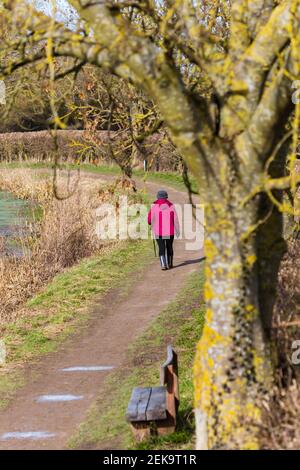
[153, 410]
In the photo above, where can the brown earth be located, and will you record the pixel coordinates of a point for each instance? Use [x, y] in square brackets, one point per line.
[113, 324]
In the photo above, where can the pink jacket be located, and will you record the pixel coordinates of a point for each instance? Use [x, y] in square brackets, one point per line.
[163, 218]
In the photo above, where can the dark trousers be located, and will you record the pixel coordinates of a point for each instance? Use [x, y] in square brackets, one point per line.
[165, 245]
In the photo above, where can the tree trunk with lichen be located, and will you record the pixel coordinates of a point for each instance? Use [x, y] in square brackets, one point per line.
[243, 248]
[232, 365]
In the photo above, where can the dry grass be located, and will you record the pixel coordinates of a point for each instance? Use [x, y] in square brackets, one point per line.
[281, 429]
[282, 412]
[64, 235]
[287, 311]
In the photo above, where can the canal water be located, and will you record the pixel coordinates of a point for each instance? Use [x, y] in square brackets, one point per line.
[13, 216]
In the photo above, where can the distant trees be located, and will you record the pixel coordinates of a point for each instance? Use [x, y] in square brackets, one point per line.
[220, 76]
[86, 99]
[106, 102]
[27, 105]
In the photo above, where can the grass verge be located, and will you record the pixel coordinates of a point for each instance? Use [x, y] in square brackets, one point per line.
[174, 180]
[180, 324]
[58, 309]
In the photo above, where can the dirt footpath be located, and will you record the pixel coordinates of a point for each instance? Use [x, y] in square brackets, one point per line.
[62, 386]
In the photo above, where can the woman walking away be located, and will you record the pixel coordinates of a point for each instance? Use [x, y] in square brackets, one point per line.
[164, 221]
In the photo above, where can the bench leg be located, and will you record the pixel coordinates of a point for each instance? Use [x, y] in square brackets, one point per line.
[141, 430]
[166, 426]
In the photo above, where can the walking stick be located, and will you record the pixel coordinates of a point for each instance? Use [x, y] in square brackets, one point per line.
[154, 246]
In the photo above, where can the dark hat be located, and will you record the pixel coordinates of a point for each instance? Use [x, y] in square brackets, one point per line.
[162, 194]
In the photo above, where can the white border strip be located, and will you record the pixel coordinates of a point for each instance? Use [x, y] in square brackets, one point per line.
[58, 398]
[27, 435]
[87, 368]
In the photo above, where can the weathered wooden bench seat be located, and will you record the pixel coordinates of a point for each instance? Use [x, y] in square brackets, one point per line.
[154, 409]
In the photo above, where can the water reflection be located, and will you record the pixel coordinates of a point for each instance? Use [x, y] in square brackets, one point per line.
[13, 216]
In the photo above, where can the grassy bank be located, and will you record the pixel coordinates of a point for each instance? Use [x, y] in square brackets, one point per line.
[63, 234]
[58, 309]
[174, 180]
[180, 324]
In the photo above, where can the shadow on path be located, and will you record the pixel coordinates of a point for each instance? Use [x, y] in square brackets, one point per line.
[189, 261]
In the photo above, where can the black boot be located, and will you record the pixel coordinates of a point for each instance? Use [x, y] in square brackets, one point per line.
[163, 263]
[170, 261]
